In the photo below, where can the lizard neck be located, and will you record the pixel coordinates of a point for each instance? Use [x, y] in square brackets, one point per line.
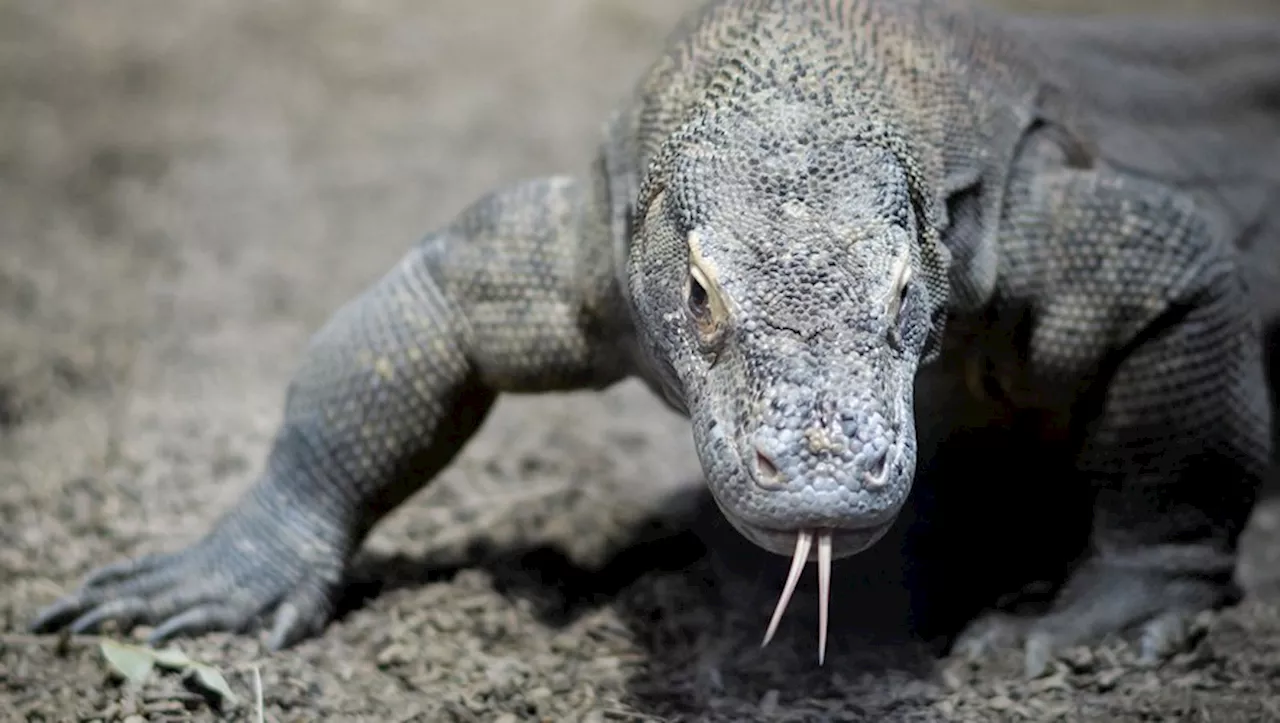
[606, 242]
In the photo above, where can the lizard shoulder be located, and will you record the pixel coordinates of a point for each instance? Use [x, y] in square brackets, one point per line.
[1093, 260]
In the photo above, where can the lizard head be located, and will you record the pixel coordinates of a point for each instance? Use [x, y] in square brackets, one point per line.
[776, 275]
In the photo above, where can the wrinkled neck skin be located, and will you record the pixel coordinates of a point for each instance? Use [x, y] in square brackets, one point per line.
[772, 267]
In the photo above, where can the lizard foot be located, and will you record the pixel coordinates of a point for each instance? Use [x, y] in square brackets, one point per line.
[1158, 607]
[226, 581]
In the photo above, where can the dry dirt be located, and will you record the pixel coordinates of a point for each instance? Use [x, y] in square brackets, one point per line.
[188, 189]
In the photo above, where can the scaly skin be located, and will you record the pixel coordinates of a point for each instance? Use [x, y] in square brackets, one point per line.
[793, 219]
[388, 391]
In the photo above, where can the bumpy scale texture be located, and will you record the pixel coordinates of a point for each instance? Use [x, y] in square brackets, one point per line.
[805, 206]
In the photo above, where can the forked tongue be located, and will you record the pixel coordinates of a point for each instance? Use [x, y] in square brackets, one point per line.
[804, 542]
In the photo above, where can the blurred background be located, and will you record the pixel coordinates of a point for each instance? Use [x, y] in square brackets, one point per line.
[187, 190]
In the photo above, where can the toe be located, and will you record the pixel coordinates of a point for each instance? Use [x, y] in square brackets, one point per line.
[106, 589]
[303, 614]
[121, 570]
[1039, 651]
[1048, 636]
[155, 594]
[201, 619]
[989, 633]
[125, 612]
[1164, 636]
[57, 615]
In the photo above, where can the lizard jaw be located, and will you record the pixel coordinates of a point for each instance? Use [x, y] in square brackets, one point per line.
[845, 541]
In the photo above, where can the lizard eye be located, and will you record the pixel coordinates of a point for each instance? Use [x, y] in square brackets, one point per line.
[902, 286]
[902, 296]
[703, 298]
[704, 306]
[697, 299]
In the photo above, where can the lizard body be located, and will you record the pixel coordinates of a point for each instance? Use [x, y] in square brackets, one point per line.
[807, 209]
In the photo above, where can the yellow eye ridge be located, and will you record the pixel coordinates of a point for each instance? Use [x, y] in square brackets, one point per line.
[702, 293]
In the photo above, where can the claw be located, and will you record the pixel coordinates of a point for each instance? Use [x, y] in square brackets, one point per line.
[301, 615]
[227, 581]
[56, 615]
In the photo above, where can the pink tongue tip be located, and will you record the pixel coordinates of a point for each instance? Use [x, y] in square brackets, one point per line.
[824, 592]
[804, 542]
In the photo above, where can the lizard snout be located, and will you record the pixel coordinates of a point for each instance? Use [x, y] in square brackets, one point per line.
[814, 460]
[847, 454]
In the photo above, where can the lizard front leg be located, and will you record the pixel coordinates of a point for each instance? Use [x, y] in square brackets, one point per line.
[1141, 317]
[506, 298]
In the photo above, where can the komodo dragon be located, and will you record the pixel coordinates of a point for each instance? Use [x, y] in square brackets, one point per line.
[806, 208]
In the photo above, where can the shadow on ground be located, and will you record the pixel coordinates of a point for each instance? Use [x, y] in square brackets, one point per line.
[695, 595]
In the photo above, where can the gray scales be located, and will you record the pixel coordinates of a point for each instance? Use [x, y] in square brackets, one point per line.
[814, 225]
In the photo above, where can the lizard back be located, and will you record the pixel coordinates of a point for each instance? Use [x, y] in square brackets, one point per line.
[940, 86]
[1192, 103]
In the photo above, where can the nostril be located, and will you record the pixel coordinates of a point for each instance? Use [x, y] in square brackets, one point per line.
[766, 472]
[876, 473]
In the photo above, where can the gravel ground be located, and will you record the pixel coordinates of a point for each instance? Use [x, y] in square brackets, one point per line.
[188, 189]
